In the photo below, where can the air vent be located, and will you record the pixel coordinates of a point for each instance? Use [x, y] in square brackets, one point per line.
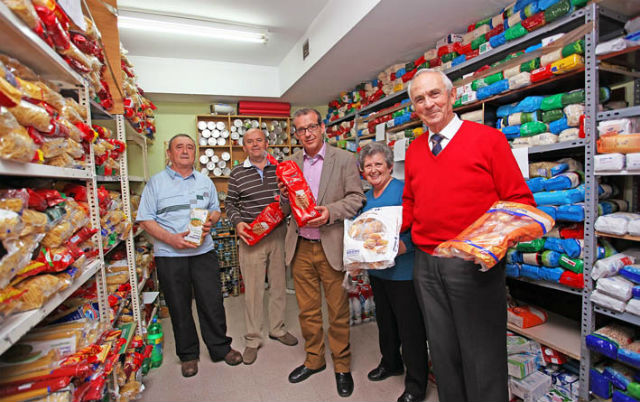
[305, 49]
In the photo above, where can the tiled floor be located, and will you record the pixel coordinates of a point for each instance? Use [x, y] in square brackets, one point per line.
[266, 379]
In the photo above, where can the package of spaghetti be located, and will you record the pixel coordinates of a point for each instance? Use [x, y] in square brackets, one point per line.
[504, 225]
[265, 222]
[301, 199]
[15, 143]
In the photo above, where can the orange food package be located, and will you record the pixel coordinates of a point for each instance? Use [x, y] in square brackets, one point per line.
[301, 199]
[487, 239]
[265, 222]
[526, 316]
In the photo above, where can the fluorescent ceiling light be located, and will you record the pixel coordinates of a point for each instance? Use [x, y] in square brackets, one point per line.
[191, 27]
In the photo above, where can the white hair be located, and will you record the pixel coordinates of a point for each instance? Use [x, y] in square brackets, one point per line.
[447, 82]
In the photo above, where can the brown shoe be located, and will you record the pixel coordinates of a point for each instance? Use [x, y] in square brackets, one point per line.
[287, 339]
[190, 368]
[233, 358]
[250, 355]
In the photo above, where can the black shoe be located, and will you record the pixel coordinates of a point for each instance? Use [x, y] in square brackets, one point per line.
[344, 382]
[409, 397]
[302, 373]
[380, 373]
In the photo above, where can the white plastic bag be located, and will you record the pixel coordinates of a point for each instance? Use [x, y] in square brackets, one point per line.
[610, 266]
[633, 306]
[609, 162]
[633, 161]
[371, 240]
[606, 301]
[616, 287]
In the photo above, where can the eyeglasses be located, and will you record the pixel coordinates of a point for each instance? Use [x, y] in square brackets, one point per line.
[303, 130]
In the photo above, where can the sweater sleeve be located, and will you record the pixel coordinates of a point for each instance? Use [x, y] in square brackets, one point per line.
[508, 180]
[407, 196]
[232, 202]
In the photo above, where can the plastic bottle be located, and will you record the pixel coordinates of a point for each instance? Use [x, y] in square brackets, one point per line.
[155, 337]
[356, 307]
[146, 363]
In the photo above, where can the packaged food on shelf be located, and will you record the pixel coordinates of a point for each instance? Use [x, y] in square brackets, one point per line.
[619, 143]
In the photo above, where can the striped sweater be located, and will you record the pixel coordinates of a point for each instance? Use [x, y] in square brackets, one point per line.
[248, 194]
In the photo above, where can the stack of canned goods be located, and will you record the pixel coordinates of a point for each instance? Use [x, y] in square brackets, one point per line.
[212, 133]
[215, 163]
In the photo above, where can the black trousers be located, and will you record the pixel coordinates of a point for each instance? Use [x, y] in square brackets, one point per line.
[180, 278]
[400, 323]
[465, 311]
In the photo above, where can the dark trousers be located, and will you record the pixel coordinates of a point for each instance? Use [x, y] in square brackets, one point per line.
[465, 312]
[400, 323]
[180, 278]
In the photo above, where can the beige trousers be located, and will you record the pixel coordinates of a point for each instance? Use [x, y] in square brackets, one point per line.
[265, 256]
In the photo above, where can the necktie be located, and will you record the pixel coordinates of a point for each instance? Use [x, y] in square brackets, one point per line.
[435, 144]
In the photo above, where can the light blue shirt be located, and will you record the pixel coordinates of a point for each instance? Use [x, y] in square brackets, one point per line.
[168, 199]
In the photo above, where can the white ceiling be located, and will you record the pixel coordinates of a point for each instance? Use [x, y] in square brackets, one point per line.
[286, 21]
[394, 31]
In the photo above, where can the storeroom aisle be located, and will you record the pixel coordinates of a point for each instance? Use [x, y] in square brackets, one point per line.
[266, 379]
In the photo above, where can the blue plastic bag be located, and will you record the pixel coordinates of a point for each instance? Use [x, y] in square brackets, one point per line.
[499, 39]
[563, 181]
[483, 93]
[617, 379]
[602, 345]
[599, 384]
[544, 4]
[551, 274]
[570, 213]
[553, 243]
[499, 87]
[458, 60]
[530, 271]
[533, 48]
[572, 247]
[631, 272]
[619, 396]
[635, 292]
[505, 110]
[571, 196]
[520, 4]
[514, 256]
[629, 357]
[529, 104]
[513, 270]
[558, 126]
[511, 132]
[550, 210]
[536, 184]
[401, 72]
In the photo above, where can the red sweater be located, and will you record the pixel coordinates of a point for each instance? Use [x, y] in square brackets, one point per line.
[444, 194]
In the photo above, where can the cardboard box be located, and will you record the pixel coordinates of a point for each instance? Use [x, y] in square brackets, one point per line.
[485, 47]
[532, 388]
[522, 364]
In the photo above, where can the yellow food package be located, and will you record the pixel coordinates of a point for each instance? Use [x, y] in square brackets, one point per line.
[197, 219]
[567, 64]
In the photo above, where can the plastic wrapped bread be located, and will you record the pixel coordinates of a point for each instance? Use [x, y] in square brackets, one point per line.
[371, 240]
[609, 162]
[618, 126]
[503, 226]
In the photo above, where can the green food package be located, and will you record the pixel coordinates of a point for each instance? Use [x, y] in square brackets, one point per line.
[530, 65]
[573, 97]
[576, 47]
[579, 3]
[552, 102]
[605, 94]
[449, 56]
[528, 117]
[477, 84]
[485, 21]
[572, 264]
[552, 115]
[633, 388]
[490, 79]
[609, 250]
[557, 10]
[457, 103]
[515, 32]
[533, 128]
[530, 246]
[475, 44]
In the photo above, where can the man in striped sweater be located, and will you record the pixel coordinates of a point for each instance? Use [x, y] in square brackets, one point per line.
[252, 186]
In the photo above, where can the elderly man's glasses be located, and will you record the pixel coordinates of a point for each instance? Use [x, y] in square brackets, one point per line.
[312, 129]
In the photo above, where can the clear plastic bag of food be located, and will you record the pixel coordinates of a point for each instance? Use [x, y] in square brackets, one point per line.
[301, 198]
[58, 235]
[372, 239]
[623, 143]
[28, 114]
[14, 200]
[10, 224]
[38, 290]
[15, 143]
[19, 252]
[504, 225]
[52, 147]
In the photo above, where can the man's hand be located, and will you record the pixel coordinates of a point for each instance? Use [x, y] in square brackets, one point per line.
[177, 241]
[206, 228]
[240, 231]
[283, 189]
[321, 220]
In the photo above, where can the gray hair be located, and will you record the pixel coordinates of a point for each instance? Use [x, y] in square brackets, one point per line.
[447, 82]
[178, 136]
[373, 148]
[258, 130]
[305, 111]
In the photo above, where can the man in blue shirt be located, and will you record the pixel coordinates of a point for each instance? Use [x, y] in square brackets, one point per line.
[164, 213]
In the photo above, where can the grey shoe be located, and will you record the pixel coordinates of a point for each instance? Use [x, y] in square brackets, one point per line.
[250, 355]
[287, 339]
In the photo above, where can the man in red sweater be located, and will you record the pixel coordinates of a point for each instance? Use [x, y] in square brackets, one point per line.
[453, 174]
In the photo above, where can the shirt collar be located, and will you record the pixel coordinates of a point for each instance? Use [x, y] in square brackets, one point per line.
[173, 174]
[320, 154]
[247, 163]
[449, 131]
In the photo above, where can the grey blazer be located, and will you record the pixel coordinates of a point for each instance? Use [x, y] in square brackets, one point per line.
[341, 192]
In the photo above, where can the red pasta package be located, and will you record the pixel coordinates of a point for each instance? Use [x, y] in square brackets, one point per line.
[487, 239]
[265, 222]
[301, 199]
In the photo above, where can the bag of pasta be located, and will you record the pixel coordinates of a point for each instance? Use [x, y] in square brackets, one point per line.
[487, 239]
[372, 239]
[265, 222]
[301, 199]
[15, 143]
